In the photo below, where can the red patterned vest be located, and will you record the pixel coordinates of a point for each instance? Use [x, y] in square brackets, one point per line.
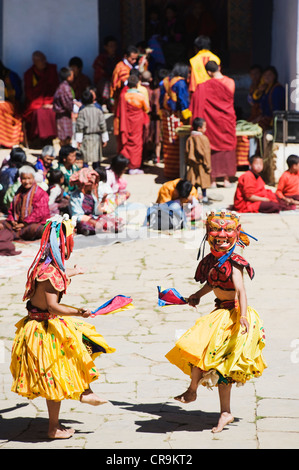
[209, 271]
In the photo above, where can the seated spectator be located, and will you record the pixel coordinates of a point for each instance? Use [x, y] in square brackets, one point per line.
[181, 193]
[29, 209]
[252, 195]
[108, 199]
[115, 179]
[272, 98]
[58, 199]
[40, 83]
[177, 190]
[84, 205]
[44, 162]
[10, 172]
[67, 164]
[80, 81]
[288, 184]
[80, 160]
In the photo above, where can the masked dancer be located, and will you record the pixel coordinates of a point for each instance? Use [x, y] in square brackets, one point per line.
[225, 346]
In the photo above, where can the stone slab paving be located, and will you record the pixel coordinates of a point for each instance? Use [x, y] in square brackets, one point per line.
[137, 379]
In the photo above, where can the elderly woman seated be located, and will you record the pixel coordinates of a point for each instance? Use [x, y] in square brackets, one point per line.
[29, 209]
[86, 206]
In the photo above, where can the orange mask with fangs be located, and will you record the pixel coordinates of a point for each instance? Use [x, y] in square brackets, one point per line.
[223, 232]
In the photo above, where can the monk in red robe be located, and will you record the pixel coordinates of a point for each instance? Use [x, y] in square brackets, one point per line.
[252, 195]
[213, 100]
[120, 76]
[40, 83]
[131, 112]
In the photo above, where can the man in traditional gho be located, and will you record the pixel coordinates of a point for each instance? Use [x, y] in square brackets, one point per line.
[53, 353]
[225, 346]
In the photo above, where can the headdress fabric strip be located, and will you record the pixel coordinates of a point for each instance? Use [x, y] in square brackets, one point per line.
[170, 297]
[54, 246]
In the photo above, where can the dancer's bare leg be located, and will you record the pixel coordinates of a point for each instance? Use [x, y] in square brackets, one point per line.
[90, 398]
[191, 393]
[55, 430]
[225, 413]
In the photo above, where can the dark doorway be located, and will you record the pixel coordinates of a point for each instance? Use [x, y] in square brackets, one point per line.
[240, 30]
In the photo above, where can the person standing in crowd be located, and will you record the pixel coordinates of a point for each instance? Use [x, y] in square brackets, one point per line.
[119, 78]
[91, 129]
[132, 117]
[80, 80]
[174, 104]
[214, 101]
[103, 67]
[63, 106]
[198, 157]
[202, 45]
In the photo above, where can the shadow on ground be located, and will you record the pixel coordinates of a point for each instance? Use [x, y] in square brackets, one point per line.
[171, 418]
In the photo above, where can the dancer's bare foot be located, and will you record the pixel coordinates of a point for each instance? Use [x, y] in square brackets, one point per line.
[90, 398]
[225, 418]
[60, 432]
[187, 397]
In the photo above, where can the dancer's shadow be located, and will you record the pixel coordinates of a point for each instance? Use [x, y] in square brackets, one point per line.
[27, 429]
[171, 417]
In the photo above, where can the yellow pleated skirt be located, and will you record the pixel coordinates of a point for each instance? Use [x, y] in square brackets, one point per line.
[53, 359]
[216, 345]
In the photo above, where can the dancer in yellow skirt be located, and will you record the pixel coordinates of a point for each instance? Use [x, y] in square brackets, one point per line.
[53, 353]
[224, 347]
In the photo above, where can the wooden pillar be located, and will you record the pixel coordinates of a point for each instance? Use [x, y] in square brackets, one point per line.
[133, 21]
[240, 34]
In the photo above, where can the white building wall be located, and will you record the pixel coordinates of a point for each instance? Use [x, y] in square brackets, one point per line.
[60, 28]
[285, 45]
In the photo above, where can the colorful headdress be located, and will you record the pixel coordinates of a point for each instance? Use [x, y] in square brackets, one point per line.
[223, 217]
[56, 246]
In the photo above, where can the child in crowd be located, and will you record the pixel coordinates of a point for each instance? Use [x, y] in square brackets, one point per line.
[91, 129]
[58, 199]
[288, 184]
[118, 184]
[80, 160]
[9, 174]
[63, 106]
[67, 164]
[252, 195]
[108, 200]
[198, 157]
